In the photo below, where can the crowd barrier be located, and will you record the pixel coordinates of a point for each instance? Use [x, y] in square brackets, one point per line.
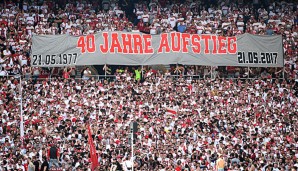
[113, 77]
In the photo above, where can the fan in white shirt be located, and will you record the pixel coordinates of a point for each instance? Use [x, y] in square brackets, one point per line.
[240, 24]
[172, 20]
[30, 19]
[200, 28]
[262, 25]
[139, 13]
[226, 24]
[29, 29]
[3, 72]
[145, 17]
[7, 52]
[225, 10]
[127, 164]
[23, 59]
[118, 12]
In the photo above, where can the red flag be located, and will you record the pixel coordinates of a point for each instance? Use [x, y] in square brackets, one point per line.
[171, 111]
[93, 156]
[190, 88]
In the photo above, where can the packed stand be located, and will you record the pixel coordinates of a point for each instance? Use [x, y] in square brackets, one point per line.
[183, 124]
[20, 21]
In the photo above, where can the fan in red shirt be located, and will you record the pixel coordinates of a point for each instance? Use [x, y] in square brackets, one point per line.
[141, 25]
[178, 167]
[66, 73]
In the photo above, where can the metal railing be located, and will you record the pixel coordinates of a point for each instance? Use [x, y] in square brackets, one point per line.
[113, 77]
[91, 77]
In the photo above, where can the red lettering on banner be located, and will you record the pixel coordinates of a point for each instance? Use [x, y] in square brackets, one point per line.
[214, 41]
[127, 45]
[81, 44]
[222, 45]
[196, 45]
[206, 39]
[138, 47]
[142, 44]
[90, 39]
[232, 45]
[185, 42]
[164, 43]
[115, 44]
[147, 44]
[174, 41]
[87, 42]
[105, 47]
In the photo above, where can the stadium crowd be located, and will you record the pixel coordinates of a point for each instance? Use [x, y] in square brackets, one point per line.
[251, 125]
[184, 124]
